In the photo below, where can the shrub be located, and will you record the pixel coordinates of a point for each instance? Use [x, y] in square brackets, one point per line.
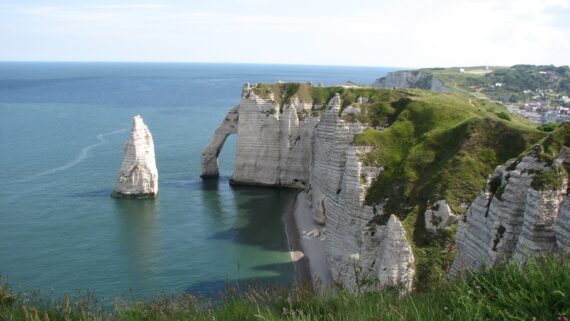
[551, 178]
[503, 115]
[547, 128]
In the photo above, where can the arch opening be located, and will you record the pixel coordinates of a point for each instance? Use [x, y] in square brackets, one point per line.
[210, 155]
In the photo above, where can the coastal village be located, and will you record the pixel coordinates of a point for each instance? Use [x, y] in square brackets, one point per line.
[538, 93]
[541, 108]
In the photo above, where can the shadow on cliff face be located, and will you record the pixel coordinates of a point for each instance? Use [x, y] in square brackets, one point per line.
[261, 217]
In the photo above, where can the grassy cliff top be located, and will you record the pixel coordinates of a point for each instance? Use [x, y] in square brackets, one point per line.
[438, 146]
[432, 146]
[318, 96]
[505, 83]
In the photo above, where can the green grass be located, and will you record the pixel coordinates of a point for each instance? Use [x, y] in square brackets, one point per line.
[282, 92]
[432, 146]
[433, 137]
[437, 146]
[537, 291]
[559, 138]
[478, 82]
[320, 96]
[551, 178]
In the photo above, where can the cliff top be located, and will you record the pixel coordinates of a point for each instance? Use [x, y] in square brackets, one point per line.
[432, 145]
[315, 95]
[439, 146]
[508, 84]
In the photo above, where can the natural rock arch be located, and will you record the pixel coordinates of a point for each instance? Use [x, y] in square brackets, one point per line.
[210, 167]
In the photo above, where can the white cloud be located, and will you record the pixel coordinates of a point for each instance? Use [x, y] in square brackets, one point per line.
[405, 33]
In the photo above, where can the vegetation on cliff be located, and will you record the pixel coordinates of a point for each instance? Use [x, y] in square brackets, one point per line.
[508, 84]
[537, 291]
[437, 146]
[431, 146]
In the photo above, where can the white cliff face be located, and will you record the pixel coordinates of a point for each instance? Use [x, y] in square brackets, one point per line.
[331, 141]
[516, 221]
[395, 257]
[438, 216]
[287, 146]
[273, 142]
[138, 176]
[410, 79]
[562, 229]
[384, 252]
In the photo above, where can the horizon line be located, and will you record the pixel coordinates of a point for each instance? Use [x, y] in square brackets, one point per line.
[399, 68]
[235, 63]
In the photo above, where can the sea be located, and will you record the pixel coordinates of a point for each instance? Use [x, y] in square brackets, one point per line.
[63, 127]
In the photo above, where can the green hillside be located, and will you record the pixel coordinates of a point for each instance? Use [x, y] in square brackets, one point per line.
[508, 84]
[436, 146]
[432, 146]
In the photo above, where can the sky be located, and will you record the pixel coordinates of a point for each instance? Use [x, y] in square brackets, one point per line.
[395, 33]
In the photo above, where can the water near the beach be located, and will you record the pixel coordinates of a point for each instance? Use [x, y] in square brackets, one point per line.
[62, 131]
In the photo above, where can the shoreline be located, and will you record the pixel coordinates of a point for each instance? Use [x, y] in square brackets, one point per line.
[306, 244]
[300, 261]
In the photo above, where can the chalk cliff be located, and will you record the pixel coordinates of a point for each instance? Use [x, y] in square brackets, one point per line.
[301, 144]
[138, 176]
[410, 79]
[210, 166]
[273, 141]
[389, 173]
[523, 212]
[337, 192]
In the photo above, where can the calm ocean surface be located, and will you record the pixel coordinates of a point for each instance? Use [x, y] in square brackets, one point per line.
[62, 131]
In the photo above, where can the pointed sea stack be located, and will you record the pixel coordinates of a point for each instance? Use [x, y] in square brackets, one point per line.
[138, 176]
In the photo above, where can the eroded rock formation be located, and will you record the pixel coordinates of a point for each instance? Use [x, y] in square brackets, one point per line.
[438, 216]
[285, 139]
[210, 166]
[273, 142]
[138, 176]
[298, 144]
[519, 215]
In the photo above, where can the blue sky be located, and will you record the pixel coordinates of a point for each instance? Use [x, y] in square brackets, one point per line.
[400, 33]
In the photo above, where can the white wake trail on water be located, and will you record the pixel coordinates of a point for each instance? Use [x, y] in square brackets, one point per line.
[80, 157]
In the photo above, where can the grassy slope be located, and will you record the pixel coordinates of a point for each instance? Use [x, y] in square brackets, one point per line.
[539, 291]
[438, 146]
[479, 82]
[434, 146]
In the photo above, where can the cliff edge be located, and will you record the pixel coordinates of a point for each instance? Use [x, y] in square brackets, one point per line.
[387, 172]
[419, 79]
[523, 211]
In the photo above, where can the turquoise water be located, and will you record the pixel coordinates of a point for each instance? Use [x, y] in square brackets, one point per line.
[62, 131]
